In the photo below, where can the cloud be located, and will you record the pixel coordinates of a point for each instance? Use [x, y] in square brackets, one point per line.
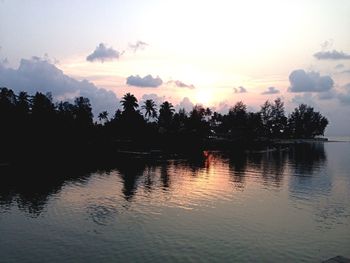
[37, 74]
[181, 84]
[331, 55]
[138, 45]
[4, 61]
[157, 99]
[327, 44]
[339, 66]
[346, 71]
[223, 107]
[344, 97]
[185, 104]
[240, 89]
[102, 54]
[326, 95]
[306, 98]
[270, 90]
[301, 81]
[147, 81]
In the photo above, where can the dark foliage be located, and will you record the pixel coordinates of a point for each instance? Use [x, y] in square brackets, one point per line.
[36, 128]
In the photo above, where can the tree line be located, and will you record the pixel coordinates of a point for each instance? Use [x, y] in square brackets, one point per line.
[30, 123]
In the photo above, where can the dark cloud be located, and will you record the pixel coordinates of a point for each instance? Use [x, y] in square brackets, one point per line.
[346, 71]
[270, 90]
[37, 74]
[138, 45]
[331, 55]
[240, 89]
[103, 53]
[339, 66]
[181, 84]
[147, 81]
[301, 81]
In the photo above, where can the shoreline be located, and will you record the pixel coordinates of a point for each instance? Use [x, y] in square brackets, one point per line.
[111, 154]
[296, 141]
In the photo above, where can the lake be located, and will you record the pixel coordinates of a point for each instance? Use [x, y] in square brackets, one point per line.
[292, 206]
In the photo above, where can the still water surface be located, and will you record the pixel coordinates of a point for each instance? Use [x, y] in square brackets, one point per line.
[291, 206]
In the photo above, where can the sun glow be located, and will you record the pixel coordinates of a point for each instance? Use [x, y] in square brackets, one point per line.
[204, 96]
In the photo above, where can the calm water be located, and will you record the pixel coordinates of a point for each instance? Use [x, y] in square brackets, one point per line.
[292, 206]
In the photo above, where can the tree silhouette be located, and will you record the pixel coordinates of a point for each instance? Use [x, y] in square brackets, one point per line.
[238, 115]
[166, 112]
[103, 116]
[216, 122]
[179, 120]
[129, 103]
[304, 122]
[7, 106]
[266, 118]
[273, 119]
[83, 111]
[23, 103]
[208, 112]
[196, 122]
[7, 97]
[43, 109]
[34, 126]
[150, 109]
[279, 120]
[234, 123]
[131, 123]
[66, 110]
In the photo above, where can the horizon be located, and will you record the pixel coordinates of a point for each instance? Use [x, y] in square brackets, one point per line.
[211, 53]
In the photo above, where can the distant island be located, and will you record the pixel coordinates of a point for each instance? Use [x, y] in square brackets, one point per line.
[36, 129]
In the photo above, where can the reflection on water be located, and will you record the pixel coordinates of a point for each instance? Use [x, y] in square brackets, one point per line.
[31, 189]
[212, 207]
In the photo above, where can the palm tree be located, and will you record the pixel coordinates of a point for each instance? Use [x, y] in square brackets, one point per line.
[103, 116]
[149, 107]
[129, 102]
[166, 112]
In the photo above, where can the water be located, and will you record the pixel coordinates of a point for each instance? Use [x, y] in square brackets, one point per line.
[291, 206]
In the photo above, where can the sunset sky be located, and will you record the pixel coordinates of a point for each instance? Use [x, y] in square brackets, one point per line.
[210, 52]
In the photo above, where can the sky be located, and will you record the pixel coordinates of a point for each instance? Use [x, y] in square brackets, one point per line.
[213, 53]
